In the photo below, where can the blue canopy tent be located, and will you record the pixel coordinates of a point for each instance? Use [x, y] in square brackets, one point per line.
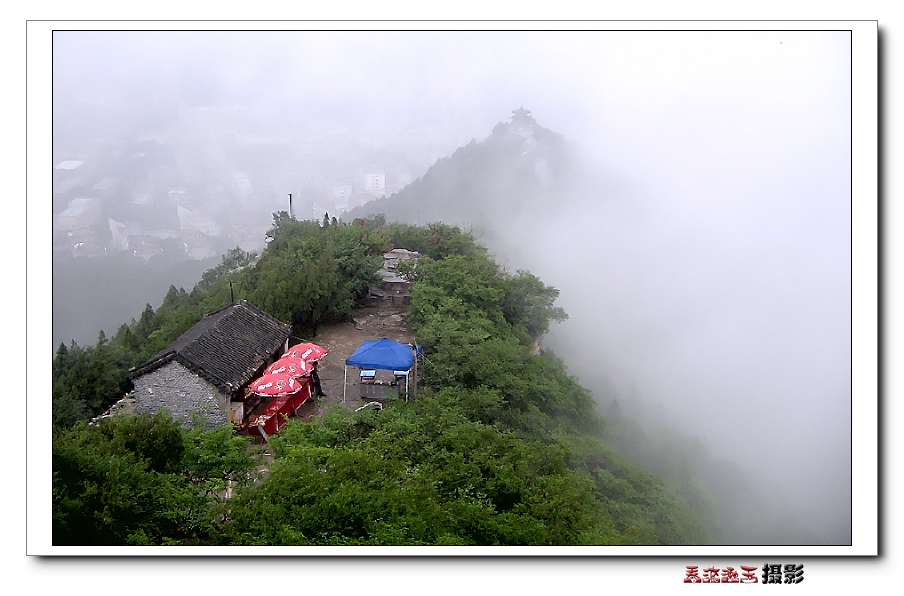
[382, 354]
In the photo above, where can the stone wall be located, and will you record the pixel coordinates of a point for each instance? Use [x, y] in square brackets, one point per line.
[182, 392]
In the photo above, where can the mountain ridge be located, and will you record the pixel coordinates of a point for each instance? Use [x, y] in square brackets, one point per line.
[520, 169]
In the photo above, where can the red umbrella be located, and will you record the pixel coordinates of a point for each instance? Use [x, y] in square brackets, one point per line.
[276, 385]
[306, 351]
[291, 366]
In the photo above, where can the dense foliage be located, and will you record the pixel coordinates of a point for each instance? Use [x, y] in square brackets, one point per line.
[314, 273]
[501, 447]
[436, 471]
[144, 480]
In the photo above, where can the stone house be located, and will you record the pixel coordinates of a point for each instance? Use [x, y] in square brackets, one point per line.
[207, 368]
[393, 288]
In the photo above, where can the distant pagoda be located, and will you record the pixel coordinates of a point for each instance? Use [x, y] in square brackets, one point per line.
[521, 115]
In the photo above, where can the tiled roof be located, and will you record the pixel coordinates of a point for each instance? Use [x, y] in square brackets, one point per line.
[226, 347]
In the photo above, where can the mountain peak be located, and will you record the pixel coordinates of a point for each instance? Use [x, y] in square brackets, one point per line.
[520, 167]
[523, 123]
[522, 115]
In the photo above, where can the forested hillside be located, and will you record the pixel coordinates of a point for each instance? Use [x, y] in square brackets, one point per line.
[520, 170]
[501, 447]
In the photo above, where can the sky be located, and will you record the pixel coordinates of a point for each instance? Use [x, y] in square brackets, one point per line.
[712, 280]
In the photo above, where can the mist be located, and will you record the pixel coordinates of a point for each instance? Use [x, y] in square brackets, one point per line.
[709, 282]
[707, 272]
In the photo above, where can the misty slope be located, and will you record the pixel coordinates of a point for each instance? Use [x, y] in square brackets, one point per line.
[521, 169]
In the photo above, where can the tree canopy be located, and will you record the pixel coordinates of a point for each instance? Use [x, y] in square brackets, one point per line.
[501, 447]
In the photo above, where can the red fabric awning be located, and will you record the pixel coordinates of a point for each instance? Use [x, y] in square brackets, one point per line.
[276, 385]
[290, 365]
[306, 351]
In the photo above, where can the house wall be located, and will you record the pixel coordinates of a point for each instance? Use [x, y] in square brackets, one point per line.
[182, 392]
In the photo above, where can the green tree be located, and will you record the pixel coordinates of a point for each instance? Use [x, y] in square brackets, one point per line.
[87, 381]
[530, 304]
[314, 274]
[111, 486]
[235, 258]
[146, 324]
[145, 480]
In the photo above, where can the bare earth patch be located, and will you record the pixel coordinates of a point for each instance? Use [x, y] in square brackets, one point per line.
[341, 340]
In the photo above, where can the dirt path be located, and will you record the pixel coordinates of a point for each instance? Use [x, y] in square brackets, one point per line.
[343, 339]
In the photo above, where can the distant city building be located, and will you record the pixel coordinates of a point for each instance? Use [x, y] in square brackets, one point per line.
[78, 230]
[375, 183]
[195, 221]
[128, 199]
[145, 246]
[119, 232]
[197, 246]
[341, 192]
[79, 213]
[143, 193]
[242, 188]
[177, 196]
[69, 184]
[70, 164]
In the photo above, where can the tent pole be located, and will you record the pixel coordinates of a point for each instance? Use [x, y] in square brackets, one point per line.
[260, 427]
[344, 383]
[414, 387]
